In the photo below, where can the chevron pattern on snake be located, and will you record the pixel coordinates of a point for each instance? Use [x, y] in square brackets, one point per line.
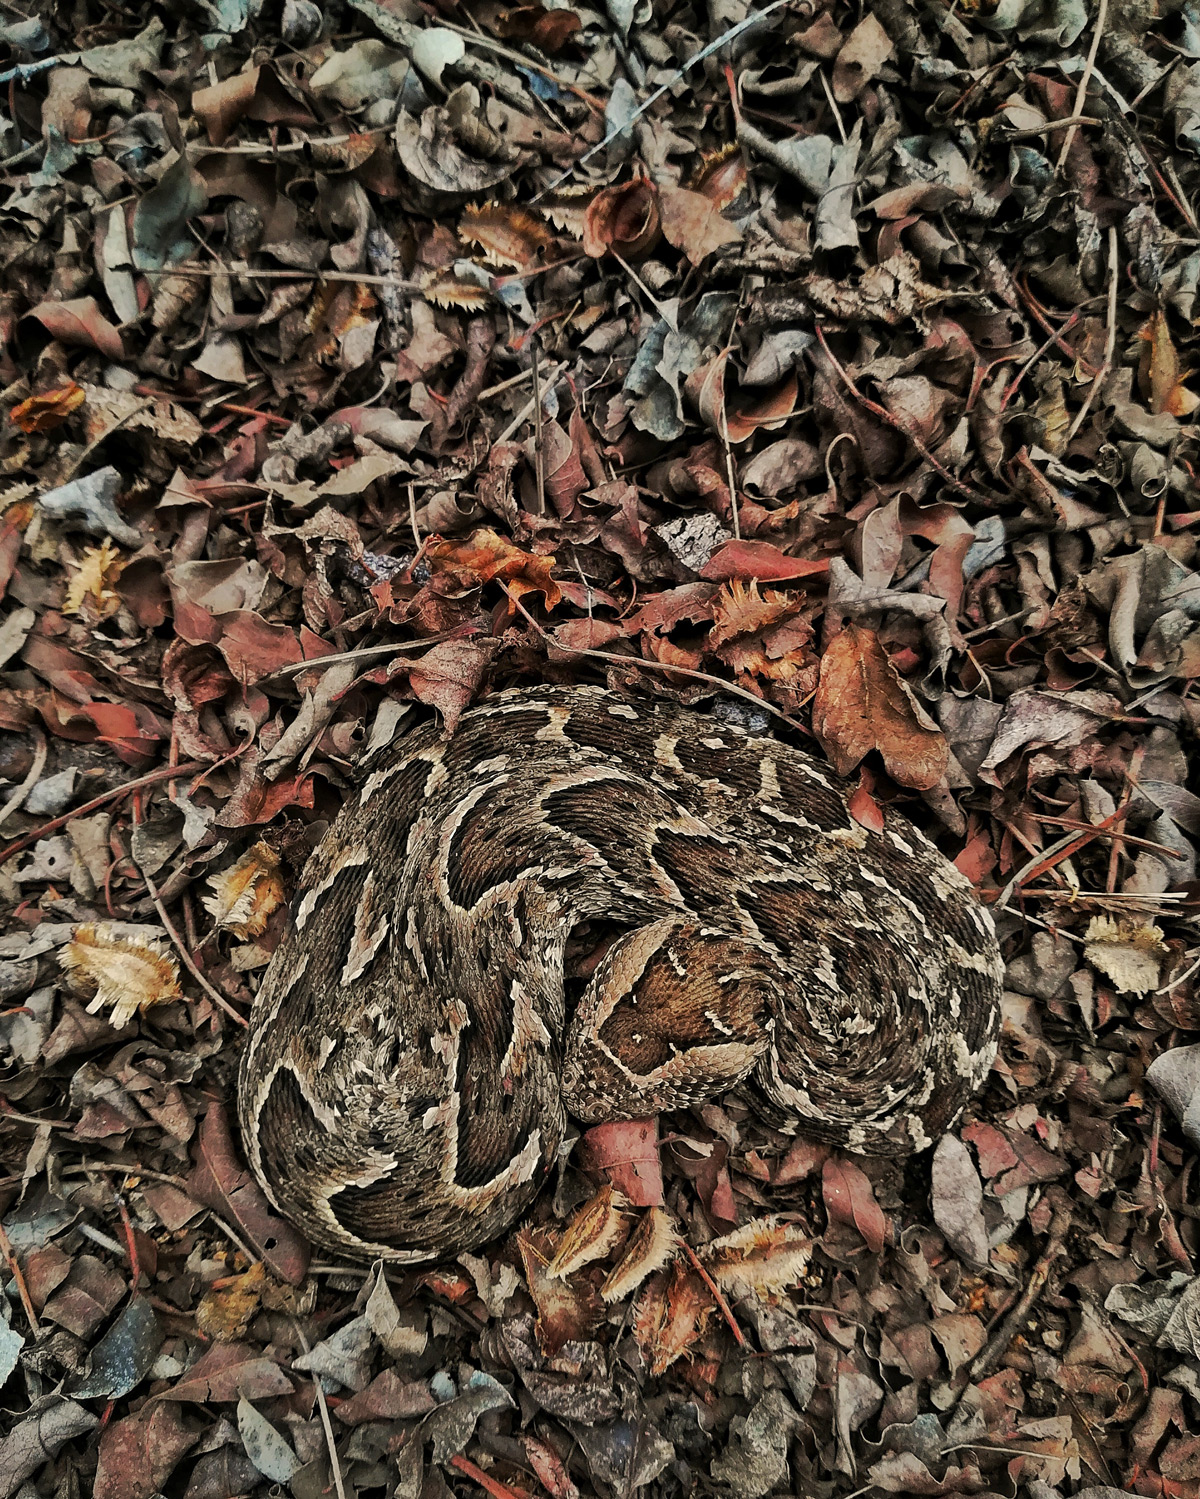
[587, 906]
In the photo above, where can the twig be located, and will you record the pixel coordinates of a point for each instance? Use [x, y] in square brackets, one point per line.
[485, 1481]
[334, 1462]
[1084, 79]
[1032, 132]
[1120, 837]
[201, 148]
[19, 1281]
[1111, 342]
[526, 411]
[539, 457]
[294, 668]
[1049, 858]
[181, 948]
[997, 1345]
[17, 799]
[734, 31]
[723, 1305]
[522, 61]
[164, 773]
[639, 663]
[245, 273]
[897, 425]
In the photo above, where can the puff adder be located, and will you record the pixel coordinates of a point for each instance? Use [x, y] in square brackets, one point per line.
[588, 906]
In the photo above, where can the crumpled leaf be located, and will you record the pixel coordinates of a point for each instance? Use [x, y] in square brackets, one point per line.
[1127, 951]
[863, 704]
[122, 975]
[88, 503]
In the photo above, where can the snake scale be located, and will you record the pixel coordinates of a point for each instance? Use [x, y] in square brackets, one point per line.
[581, 905]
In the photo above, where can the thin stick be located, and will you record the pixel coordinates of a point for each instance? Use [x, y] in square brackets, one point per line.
[164, 773]
[17, 799]
[246, 273]
[638, 662]
[412, 516]
[1084, 79]
[1032, 132]
[1111, 342]
[996, 1347]
[751, 20]
[539, 460]
[181, 948]
[22, 1290]
[897, 425]
[334, 1463]
[739, 1336]
[295, 667]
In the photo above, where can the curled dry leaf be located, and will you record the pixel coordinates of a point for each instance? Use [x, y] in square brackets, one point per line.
[507, 234]
[590, 1235]
[624, 219]
[42, 413]
[722, 176]
[129, 976]
[1159, 373]
[762, 1258]
[671, 1315]
[740, 414]
[650, 1246]
[1126, 951]
[91, 582]
[485, 556]
[244, 896]
[863, 704]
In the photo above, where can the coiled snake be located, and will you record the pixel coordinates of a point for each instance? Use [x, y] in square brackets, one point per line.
[582, 905]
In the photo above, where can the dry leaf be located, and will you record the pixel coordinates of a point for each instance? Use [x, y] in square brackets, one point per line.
[762, 1258]
[671, 1315]
[129, 976]
[42, 413]
[862, 704]
[244, 896]
[1159, 374]
[93, 579]
[650, 1246]
[623, 219]
[485, 555]
[590, 1235]
[693, 224]
[1127, 952]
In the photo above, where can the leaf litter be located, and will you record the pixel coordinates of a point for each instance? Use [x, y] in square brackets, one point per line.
[832, 372]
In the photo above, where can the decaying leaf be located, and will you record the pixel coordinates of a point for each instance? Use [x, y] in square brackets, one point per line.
[1159, 372]
[486, 555]
[671, 1315]
[1127, 951]
[92, 582]
[862, 704]
[120, 974]
[624, 219]
[592, 1233]
[244, 896]
[44, 412]
[650, 1246]
[762, 1258]
[507, 235]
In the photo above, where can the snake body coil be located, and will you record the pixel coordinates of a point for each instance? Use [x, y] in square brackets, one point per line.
[581, 905]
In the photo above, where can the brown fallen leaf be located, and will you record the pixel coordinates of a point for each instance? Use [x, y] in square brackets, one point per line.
[624, 219]
[850, 1198]
[862, 704]
[44, 412]
[485, 555]
[244, 896]
[1159, 374]
[593, 1231]
[693, 224]
[671, 1315]
[650, 1246]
